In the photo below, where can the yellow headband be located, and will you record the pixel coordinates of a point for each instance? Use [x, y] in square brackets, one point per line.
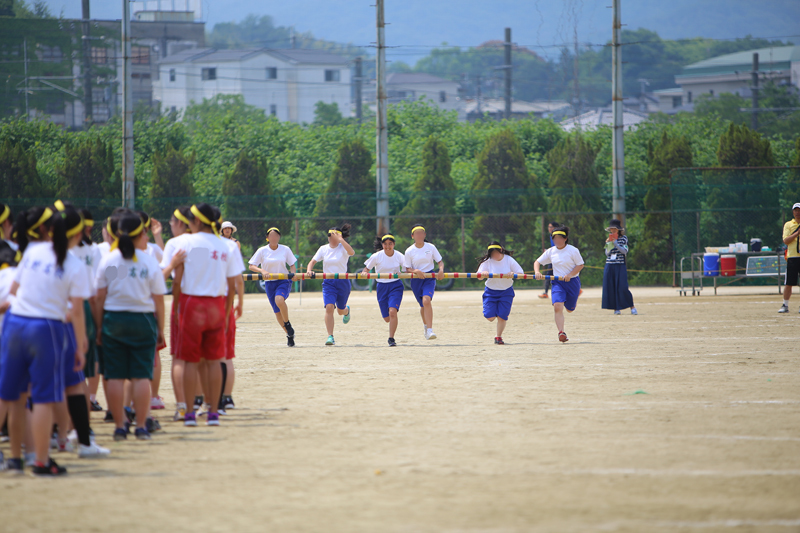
[205, 220]
[74, 231]
[494, 247]
[18, 256]
[114, 245]
[42, 219]
[332, 231]
[4, 266]
[5, 215]
[88, 222]
[149, 220]
[59, 205]
[416, 228]
[387, 237]
[273, 229]
[179, 216]
[559, 233]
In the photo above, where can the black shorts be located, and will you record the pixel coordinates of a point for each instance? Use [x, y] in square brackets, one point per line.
[792, 271]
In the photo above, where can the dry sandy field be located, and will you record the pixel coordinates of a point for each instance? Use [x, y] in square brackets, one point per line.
[684, 418]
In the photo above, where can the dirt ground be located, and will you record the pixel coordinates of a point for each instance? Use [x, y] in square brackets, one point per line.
[686, 417]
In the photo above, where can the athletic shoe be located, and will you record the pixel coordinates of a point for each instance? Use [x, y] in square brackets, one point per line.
[617, 312]
[2, 462]
[65, 446]
[152, 425]
[54, 441]
[330, 341]
[30, 458]
[543, 295]
[198, 402]
[289, 329]
[93, 450]
[634, 311]
[392, 342]
[50, 469]
[142, 434]
[346, 318]
[109, 419]
[430, 335]
[221, 412]
[120, 434]
[131, 415]
[784, 309]
[180, 413]
[157, 403]
[289, 341]
[213, 419]
[498, 340]
[425, 331]
[228, 403]
[190, 420]
[15, 466]
[96, 407]
[562, 336]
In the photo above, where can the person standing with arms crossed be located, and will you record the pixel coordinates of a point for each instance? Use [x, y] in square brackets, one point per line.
[791, 238]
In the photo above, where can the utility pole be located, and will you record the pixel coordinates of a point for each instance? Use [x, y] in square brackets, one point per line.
[382, 178]
[25, 61]
[128, 194]
[87, 66]
[618, 148]
[358, 90]
[507, 67]
[478, 96]
[576, 88]
[754, 118]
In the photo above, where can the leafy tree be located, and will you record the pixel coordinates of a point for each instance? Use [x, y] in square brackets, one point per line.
[793, 179]
[19, 183]
[327, 114]
[88, 174]
[726, 106]
[171, 183]
[575, 190]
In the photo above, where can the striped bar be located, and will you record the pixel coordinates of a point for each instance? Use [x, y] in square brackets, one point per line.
[372, 275]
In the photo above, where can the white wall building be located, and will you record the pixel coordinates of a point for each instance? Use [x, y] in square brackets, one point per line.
[411, 86]
[286, 83]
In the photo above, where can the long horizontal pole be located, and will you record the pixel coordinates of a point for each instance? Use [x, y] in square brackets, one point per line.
[371, 275]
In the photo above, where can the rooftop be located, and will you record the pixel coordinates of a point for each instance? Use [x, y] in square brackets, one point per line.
[603, 117]
[297, 56]
[414, 77]
[775, 58]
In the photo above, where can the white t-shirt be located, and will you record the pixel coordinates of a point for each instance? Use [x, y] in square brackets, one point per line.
[44, 288]
[131, 284]
[334, 260]
[505, 266]
[383, 264]
[424, 258]
[274, 261]
[155, 250]
[6, 279]
[90, 256]
[171, 247]
[563, 261]
[104, 248]
[210, 261]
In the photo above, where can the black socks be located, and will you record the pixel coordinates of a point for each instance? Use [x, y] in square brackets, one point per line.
[79, 413]
[289, 329]
[224, 379]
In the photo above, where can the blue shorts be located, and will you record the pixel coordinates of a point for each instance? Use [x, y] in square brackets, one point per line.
[31, 354]
[336, 292]
[390, 295]
[497, 303]
[277, 288]
[71, 378]
[423, 287]
[566, 292]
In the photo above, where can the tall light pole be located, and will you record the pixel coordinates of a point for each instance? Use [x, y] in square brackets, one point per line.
[382, 131]
[128, 191]
[618, 148]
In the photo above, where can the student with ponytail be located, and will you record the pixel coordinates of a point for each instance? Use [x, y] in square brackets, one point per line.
[34, 340]
[206, 282]
[387, 260]
[498, 294]
[335, 292]
[130, 289]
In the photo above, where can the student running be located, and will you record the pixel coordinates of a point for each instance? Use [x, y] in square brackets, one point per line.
[387, 260]
[419, 260]
[567, 265]
[498, 294]
[335, 292]
[273, 259]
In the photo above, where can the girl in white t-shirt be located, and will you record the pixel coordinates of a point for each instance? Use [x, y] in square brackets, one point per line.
[335, 292]
[8, 267]
[420, 258]
[273, 259]
[130, 289]
[498, 294]
[567, 265]
[387, 260]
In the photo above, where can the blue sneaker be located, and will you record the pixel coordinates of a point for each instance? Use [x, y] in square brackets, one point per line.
[330, 341]
[617, 312]
[142, 434]
[346, 318]
[634, 311]
[120, 434]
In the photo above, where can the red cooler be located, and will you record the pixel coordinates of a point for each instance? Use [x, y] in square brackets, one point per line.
[727, 265]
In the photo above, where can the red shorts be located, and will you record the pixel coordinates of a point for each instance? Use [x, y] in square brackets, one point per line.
[230, 337]
[174, 328]
[202, 331]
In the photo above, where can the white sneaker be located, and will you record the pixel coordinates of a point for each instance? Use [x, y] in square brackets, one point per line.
[93, 450]
[72, 436]
[30, 458]
[425, 331]
[157, 403]
[784, 309]
[65, 446]
[430, 335]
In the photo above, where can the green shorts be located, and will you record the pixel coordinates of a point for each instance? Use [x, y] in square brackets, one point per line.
[91, 332]
[129, 345]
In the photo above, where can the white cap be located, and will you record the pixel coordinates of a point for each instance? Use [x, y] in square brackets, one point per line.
[227, 224]
[795, 206]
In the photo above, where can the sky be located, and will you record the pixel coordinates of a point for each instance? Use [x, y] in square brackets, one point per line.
[542, 25]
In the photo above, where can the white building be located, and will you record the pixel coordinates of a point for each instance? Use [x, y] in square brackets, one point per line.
[411, 86]
[286, 83]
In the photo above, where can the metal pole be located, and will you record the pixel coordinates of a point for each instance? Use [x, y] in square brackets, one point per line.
[87, 65]
[754, 118]
[618, 148]
[25, 60]
[128, 198]
[507, 67]
[358, 90]
[463, 246]
[382, 178]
